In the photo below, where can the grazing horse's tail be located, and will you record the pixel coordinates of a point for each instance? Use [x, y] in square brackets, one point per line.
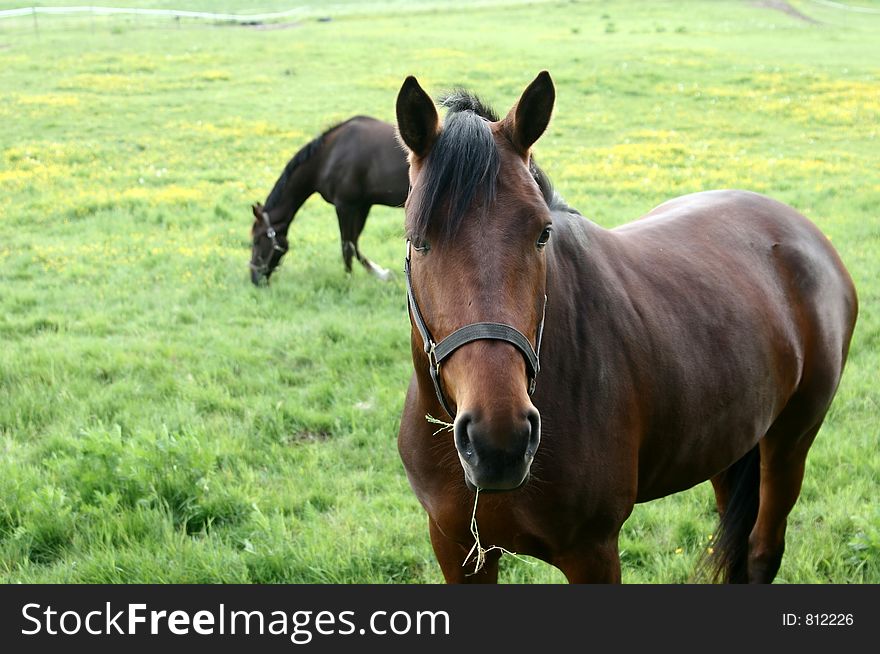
[727, 557]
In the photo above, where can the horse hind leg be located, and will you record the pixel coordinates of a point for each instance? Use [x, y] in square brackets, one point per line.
[347, 216]
[358, 226]
[783, 460]
[830, 314]
[755, 497]
[348, 252]
[352, 219]
[381, 273]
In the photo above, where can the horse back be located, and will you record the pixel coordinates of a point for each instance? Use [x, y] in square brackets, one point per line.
[708, 315]
[741, 237]
[363, 164]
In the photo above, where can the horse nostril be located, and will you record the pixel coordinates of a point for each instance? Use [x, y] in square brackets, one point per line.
[534, 433]
[463, 442]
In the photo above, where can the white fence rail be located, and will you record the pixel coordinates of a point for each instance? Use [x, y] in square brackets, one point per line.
[319, 9]
[840, 5]
[172, 13]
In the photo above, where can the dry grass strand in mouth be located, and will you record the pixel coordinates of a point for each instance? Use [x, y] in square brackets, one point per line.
[477, 550]
[444, 426]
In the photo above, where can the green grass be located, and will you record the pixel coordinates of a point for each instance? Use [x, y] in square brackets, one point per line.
[163, 421]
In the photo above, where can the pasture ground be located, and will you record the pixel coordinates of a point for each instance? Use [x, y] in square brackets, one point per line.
[161, 420]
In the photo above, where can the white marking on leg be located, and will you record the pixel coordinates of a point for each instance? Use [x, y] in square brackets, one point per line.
[378, 271]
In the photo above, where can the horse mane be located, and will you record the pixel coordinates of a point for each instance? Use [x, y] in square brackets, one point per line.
[463, 166]
[551, 196]
[304, 154]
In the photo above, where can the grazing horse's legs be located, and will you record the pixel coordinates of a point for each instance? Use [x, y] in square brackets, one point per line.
[451, 557]
[347, 215]
[352, 219]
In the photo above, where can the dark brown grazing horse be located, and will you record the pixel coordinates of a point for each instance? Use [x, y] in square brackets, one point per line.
[353, 165]
[705, 340]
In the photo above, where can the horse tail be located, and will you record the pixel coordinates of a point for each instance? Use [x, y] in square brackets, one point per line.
[726, 559]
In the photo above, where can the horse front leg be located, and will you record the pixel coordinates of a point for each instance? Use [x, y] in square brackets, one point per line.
[591, 563]
[349, 217]
[451, 557]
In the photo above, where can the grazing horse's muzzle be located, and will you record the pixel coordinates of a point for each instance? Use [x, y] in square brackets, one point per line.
[497, 454]
[258, 277]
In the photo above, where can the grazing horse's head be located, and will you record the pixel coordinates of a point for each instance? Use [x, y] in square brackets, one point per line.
[268, 246]
[478, 225]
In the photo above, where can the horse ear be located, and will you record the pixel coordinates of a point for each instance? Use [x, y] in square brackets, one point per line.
[417, 120]
[258, 210]
[530, 116]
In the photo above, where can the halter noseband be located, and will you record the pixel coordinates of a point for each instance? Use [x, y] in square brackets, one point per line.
[438, 352]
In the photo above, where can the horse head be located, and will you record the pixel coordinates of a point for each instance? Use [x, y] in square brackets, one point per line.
[268, 245]
[478, 226]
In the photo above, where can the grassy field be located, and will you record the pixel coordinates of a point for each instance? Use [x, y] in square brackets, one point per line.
[161, 420]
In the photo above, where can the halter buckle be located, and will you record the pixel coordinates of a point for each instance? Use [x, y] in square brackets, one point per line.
[431, 351]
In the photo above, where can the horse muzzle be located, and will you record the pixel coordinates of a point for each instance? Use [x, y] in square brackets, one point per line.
[259, 274]
[496, 455]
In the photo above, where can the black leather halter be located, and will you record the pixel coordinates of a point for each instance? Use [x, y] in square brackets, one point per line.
[477, 331]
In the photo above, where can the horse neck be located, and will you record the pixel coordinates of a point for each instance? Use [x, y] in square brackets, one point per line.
[299, 187]
[594, 322]
[582, 275]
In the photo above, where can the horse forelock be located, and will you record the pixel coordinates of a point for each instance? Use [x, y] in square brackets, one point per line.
[462, 100]
[461, 168]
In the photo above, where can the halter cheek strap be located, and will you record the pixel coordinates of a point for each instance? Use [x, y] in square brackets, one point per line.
[438, 352]
[270, 232]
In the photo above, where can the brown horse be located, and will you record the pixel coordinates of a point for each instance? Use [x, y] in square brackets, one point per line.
[704, 341]
[354, 165]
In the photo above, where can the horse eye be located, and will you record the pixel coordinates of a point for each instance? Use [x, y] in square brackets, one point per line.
[544, 237]
[421, 246]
